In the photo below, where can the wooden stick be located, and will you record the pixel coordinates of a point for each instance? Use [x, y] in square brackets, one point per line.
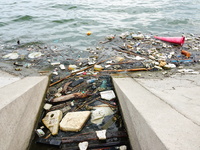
[72, 74]
[126, 70]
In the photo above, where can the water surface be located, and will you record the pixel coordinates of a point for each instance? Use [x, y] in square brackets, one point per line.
[67, 21]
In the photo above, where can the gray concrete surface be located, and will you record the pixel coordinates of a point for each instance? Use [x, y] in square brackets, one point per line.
[19, 106]
[6, 78]
[161, 114]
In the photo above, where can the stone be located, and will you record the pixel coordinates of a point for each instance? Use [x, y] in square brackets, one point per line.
[51, 121]
[74, 121]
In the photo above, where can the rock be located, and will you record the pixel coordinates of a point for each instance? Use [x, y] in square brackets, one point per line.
[101, 134]
[51, 121]
[74, 121]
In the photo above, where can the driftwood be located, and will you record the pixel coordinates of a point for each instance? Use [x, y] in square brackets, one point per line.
[126, 70]
[65, 87]
[70, 96]
[74, 73]
[93, 136]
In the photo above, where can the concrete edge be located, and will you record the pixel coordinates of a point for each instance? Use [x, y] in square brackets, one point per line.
[20, 103]
[151, 123]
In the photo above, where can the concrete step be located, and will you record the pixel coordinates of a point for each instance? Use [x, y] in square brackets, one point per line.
[20, 103]
[6, 78]
[152, 122]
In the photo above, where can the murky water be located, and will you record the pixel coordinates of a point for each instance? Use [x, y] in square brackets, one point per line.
[66, 22]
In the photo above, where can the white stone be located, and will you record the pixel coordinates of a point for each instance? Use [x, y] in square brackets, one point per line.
[51, 121]
[101, 134]
[74, 121]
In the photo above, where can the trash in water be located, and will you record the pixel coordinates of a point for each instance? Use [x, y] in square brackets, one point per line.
[11, 56]
[83, 145]
[74, 121]
[108, 95]
[51, 121]
[100, 112]
[35, 55]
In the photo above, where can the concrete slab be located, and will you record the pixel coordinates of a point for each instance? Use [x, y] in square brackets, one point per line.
[181, 92]
[152, 123]
[20, 103]
[6, 78]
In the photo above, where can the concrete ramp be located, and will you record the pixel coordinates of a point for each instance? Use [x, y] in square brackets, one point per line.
[152, 122]
[19, 106]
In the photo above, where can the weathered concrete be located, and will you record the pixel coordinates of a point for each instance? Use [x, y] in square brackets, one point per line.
[156, 118]
[19, 105]
[6, 78]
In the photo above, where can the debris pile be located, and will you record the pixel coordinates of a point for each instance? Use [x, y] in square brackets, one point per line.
[81, 109]
[82, 112]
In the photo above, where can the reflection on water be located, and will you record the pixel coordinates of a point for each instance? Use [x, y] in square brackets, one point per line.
[66, 22]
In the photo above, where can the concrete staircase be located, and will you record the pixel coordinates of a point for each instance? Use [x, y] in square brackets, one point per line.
[161, 114]
[20, 102]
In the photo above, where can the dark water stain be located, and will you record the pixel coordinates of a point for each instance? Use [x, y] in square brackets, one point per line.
[23, 18]
[63, 20]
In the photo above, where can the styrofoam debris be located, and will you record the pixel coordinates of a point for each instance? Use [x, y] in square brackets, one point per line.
[108, 95]
[62, 67]
[11, 56]
[47, 106]
[99, 113]
[101, 134]
[35, 55]
[83, 145]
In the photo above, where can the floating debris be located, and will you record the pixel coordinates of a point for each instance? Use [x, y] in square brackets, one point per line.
[35, 55]
[11, 56]
[74, 121]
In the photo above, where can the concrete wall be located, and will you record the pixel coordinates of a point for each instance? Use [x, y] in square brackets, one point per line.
[19, 106]
[153, 124]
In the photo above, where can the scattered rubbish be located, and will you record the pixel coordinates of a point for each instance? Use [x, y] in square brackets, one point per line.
[35, 55]
[74, 121]
[100, 112]
[98, 67]
[188, 71]
[186, 53]
[51, 121]
[101, 134]
[123, 147]
[47, 106]
[89, 33]
[55, 63]
[72, 67]
[62, 67]
[11, 56]
[40, 132]
[108, 95]
[81, 104]
[70, 96]
[83, 145]
[175, 40]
